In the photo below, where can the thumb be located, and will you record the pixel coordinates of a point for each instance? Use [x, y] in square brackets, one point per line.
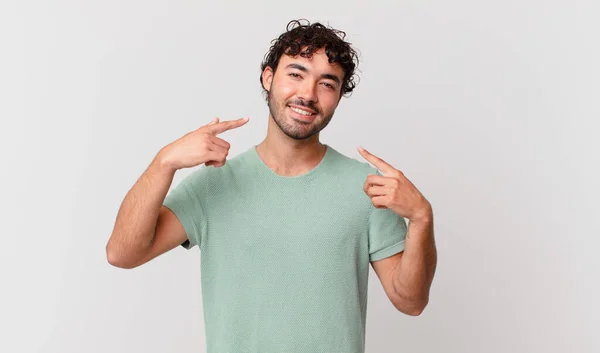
[214, 121]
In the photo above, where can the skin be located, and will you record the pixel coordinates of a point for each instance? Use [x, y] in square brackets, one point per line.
[291, 146]
[407, 276]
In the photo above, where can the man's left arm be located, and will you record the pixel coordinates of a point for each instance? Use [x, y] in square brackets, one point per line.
[413, 273]
[407, 276]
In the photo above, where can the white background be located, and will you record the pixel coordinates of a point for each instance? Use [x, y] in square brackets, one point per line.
[490, 108]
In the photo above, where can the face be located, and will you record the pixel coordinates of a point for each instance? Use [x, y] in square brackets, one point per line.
[303, 93]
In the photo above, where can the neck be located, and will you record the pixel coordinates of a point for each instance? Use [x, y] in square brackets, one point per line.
[287, 156]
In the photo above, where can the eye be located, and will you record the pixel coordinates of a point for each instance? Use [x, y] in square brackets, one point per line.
[328, 85]
[293, 74]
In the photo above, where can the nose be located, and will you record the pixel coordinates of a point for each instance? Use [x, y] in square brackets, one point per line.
[308, 92]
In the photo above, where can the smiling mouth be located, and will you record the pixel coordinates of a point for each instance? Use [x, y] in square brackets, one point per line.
[302, 111]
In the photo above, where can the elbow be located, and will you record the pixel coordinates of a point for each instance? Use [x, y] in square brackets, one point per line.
[415, 311]
[115, 259]
[413, 307]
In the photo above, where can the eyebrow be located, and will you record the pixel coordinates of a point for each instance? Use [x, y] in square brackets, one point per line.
[304, 69]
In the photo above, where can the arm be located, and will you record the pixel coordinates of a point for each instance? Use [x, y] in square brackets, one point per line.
[413, 275]
[144, 229]
[407, 276]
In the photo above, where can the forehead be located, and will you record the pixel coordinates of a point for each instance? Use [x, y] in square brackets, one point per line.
[319, 63]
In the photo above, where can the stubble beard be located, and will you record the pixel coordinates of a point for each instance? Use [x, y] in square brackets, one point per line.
[293, 128]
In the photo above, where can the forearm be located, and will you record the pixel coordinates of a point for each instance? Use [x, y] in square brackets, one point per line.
[413, 277]
[136, 220]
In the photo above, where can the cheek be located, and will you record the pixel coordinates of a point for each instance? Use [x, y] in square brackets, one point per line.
[287, 91]
[329, 102]
[283, 88]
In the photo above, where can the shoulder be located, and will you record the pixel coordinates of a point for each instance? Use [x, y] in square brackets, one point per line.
[351, 167]
[213, 178]
[202, 173]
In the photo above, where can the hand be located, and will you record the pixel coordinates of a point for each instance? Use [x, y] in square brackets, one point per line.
[201, 146]
[394, 191]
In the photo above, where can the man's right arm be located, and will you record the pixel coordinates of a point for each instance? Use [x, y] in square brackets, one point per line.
[144, 228]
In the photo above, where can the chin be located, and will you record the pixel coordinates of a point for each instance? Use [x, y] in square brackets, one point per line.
[295, 125]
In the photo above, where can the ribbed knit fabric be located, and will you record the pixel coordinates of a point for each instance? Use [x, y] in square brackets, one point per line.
[285, 260]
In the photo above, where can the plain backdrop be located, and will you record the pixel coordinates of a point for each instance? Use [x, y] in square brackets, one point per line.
[490, 108]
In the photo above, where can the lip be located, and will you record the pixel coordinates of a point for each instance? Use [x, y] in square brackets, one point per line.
[302, 108]
[299, 116]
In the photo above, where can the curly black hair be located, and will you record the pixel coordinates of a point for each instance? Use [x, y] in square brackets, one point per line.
[314, 37]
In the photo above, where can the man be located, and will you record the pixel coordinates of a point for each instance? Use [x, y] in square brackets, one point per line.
[287, 229]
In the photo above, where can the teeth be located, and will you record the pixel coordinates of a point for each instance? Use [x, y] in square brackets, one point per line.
[300, 111]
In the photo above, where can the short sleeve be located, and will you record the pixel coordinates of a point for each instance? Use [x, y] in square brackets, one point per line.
[185, 202]
[387, 233]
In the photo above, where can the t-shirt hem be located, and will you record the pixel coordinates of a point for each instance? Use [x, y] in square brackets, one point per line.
[387, 252]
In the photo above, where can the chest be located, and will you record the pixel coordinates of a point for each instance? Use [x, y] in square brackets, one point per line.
[298, 225]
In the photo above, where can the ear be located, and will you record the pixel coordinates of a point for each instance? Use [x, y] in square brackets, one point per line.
[267, 78]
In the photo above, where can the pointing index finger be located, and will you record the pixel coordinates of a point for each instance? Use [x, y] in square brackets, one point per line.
[227, 125]
[379, 163]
